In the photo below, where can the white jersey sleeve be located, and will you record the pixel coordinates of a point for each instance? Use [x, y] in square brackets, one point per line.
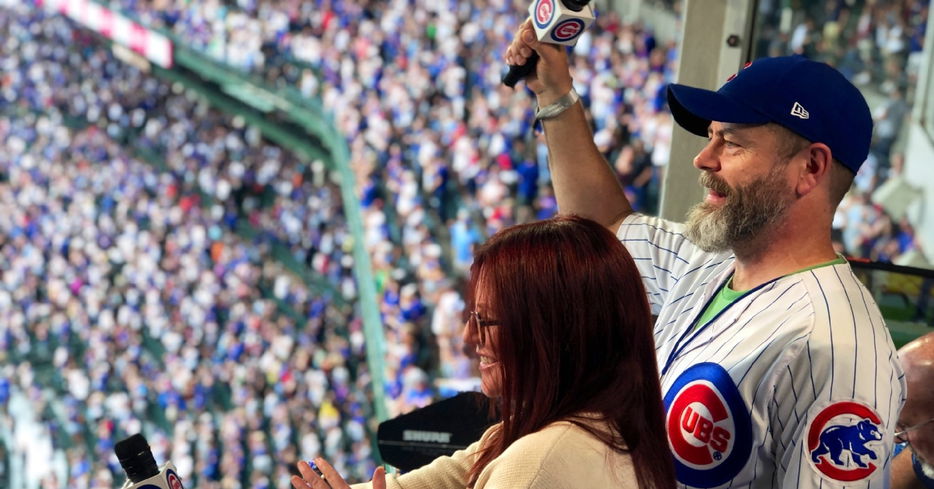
[837, 395]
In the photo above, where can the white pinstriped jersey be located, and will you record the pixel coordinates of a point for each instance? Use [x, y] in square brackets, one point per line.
[795, 384]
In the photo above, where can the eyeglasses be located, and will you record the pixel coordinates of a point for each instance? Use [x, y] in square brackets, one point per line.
[475, 319]
[901, 436]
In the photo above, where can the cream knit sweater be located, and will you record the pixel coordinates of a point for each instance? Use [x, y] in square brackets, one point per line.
[562, 455]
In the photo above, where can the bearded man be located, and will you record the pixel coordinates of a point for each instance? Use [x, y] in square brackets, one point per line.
[777, 369]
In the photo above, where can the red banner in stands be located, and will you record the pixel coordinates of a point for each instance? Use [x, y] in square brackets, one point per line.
[114, 26]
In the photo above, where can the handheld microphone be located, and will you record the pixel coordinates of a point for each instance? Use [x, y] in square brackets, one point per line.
[141, 471]
[555, 22]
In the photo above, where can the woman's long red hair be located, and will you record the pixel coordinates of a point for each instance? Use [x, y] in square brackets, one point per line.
[575, 336]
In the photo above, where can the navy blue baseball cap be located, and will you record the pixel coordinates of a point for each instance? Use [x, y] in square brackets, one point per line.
[809, 98]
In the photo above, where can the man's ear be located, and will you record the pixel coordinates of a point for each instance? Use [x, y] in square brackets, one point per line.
[815, 168]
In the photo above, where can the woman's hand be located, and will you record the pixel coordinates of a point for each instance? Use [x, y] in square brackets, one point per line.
[551, 78]
[332, 480]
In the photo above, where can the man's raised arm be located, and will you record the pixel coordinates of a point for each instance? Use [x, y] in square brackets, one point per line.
[583, 181]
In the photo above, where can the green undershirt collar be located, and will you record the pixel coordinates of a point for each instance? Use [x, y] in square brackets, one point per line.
[726, 295]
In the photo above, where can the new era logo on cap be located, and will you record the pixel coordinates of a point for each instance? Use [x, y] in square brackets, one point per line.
[798, 111]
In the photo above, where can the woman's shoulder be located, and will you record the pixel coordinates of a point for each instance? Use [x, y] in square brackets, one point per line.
[561, 439]
[561, 454]
[565, 431]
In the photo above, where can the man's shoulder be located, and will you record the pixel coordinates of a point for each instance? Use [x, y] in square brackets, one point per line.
[838, 296]
[846, 337]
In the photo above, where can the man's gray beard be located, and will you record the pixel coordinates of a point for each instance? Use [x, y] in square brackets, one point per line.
[748, 210]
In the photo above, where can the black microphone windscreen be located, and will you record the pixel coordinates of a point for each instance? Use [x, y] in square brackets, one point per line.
[576, 5]
[136, 458]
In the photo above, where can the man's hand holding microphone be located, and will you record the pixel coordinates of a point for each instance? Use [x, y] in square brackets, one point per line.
[558, 22]
[538, 52]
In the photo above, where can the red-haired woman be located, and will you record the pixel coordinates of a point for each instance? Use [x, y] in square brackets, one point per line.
[562, 327]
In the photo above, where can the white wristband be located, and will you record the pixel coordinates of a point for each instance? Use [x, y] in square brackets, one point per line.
[557, 107]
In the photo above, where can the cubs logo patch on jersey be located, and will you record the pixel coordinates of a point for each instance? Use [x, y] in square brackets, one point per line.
[709, 427]
[845, 441]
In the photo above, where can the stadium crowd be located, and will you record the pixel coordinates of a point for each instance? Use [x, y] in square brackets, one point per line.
[442, 154]
[228, 167]
[442, 151]
[149, 311]
[144, 301]
[435, 66]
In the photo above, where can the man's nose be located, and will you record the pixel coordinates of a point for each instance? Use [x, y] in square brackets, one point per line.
[708, 157]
